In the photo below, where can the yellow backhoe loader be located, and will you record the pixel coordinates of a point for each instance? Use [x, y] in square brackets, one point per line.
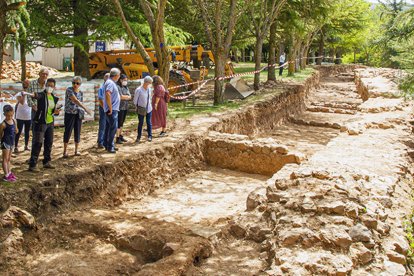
[191, 64]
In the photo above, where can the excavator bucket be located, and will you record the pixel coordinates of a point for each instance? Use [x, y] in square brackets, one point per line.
[237, 88]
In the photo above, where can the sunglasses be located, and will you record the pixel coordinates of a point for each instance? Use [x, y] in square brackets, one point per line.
[74, 82]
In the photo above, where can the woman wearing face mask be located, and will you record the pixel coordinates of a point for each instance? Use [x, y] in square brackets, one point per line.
[74, 112]
[43, 125]
[123, 108]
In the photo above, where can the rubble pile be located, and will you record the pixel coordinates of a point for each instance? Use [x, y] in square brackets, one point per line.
[12, 70]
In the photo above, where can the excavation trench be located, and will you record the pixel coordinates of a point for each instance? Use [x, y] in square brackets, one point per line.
[160, 211]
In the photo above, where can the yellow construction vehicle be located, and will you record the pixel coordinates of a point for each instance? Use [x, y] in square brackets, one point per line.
[191, 64]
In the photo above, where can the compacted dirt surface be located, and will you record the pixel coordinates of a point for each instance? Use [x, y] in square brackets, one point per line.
[313, 179]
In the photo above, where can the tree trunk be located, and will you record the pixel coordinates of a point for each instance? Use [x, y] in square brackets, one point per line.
[332, 55]
[243, 55]
[236, 56]
[134, 38]
[271, 73]
[156, 23]
[292, 62]
[305, 57]
[23, 60]
[258, 60]
[1, 53]
[321, 47]
[338, 56]
[81, 56]
[81, 47]
[3, 25]
[219, 71]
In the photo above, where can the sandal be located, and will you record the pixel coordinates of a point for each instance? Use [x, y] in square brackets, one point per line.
[65, 155]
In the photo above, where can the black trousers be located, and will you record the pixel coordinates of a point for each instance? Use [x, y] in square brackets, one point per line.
[42, 134]
[20, 124]
[72, 122]
[281, 68]
[121, 117]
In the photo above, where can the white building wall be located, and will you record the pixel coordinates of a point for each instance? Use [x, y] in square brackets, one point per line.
[53, 57]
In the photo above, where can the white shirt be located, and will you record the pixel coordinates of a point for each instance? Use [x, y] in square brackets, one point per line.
[282, 59]
[23, 112]
[143, 98]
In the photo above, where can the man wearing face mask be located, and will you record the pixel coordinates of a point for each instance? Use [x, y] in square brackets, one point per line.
[112, 101]
[43, 125]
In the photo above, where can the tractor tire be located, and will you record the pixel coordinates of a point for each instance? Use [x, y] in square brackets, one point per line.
[175, 79]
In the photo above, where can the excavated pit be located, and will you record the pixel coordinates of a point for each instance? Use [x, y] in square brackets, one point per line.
[180, 208]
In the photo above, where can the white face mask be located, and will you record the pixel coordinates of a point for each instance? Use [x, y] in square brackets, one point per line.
[124, 83]
[49, 89]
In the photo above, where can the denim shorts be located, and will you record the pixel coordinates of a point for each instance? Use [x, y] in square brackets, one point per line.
[5, 146]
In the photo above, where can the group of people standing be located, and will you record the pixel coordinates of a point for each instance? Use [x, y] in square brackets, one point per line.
[114, 98]
[37, 105]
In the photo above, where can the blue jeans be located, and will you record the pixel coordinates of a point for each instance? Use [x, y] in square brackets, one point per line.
[110, 130]
[141, 123]
[102, 123]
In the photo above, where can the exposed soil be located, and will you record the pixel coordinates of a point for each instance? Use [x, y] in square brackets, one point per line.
[330, 192]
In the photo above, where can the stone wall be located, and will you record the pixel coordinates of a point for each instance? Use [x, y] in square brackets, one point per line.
[268, 113]
[377, 82]
[329, 70]
[237, 152]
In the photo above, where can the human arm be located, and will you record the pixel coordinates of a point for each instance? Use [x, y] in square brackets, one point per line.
[1, 130]
[16, 130]
[108, 101]
[20, 98]
[157, 100]
[79, 103]
[125, 97]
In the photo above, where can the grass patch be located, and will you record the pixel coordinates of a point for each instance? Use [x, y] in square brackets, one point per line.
[244, 67]
[177, 110]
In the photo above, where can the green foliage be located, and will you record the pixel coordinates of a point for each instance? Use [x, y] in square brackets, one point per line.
[407, 86]
[409, 230]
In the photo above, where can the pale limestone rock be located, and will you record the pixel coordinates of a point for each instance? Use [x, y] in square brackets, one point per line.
[360, 254]
[360, 233]
[393, 269]
[396, 257]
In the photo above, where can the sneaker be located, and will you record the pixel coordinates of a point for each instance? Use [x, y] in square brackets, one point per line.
[100, 146]
[137, 140]
[26, 148]
[163, 134]
[48, 166]
[33, 169]
[149, 139]
[122, 139]
[119, 141]
[16, 150]
[112, 151]
[9, 178]
[12, 175]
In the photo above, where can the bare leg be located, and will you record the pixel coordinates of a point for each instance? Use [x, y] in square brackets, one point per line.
[76, 148]
[5, 155]
[65, 147]
[9, 161]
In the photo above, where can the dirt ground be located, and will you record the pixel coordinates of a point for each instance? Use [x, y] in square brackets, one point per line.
[159, 208]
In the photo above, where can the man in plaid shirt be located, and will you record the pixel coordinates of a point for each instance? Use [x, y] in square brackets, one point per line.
[37, 86]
